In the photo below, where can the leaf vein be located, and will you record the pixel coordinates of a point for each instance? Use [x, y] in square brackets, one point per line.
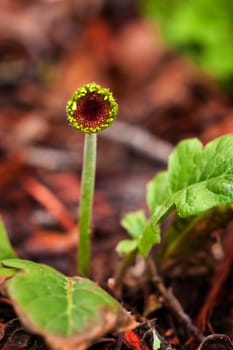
[69, 305]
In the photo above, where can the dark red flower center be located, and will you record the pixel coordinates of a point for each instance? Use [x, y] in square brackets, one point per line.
[92, 110]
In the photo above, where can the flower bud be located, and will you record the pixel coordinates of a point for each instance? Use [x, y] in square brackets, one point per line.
[91, 108]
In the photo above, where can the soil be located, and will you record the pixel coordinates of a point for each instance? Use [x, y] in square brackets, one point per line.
[48, 49]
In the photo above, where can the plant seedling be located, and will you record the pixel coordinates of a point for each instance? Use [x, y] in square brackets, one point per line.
[90, 110]
[197, 180]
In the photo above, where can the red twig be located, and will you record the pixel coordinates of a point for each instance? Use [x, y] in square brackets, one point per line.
[48, 199]
[222, 272]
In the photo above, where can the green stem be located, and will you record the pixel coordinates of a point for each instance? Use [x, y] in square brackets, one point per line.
[86, 203]
[121, 271]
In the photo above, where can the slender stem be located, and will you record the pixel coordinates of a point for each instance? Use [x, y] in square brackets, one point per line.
[86, 203]
[121, 271]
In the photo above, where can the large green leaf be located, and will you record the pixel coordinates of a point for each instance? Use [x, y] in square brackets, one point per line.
[183, 164]
[69, 312]
[199, 179]
[157, 190]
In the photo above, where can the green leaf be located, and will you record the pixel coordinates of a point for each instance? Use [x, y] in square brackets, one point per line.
[6, 250]
[68, 312]
[134, 223]
[157, 190]
[199, 179]
[127, 246]
[156, 344]
[143, 233]
[149, 237]
[183, 163]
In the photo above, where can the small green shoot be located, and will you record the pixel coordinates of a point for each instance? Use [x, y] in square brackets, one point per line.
[142, 233]
[156, 344]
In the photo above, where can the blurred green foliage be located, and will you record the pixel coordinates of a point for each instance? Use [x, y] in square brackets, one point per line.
[202, 29]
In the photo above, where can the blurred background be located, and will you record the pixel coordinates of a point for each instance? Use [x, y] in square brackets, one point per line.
[169, 63]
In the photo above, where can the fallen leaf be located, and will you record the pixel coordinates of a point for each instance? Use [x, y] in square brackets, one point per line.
[70, 312]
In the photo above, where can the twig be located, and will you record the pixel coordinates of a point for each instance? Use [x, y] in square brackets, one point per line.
[132, 136]
[216, 341]
[50, 158]
[222, 272]
[119, 341]
[140, 140]
[171, 302]
[44, 196]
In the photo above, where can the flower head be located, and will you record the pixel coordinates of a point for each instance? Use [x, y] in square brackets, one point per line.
[91, 108]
